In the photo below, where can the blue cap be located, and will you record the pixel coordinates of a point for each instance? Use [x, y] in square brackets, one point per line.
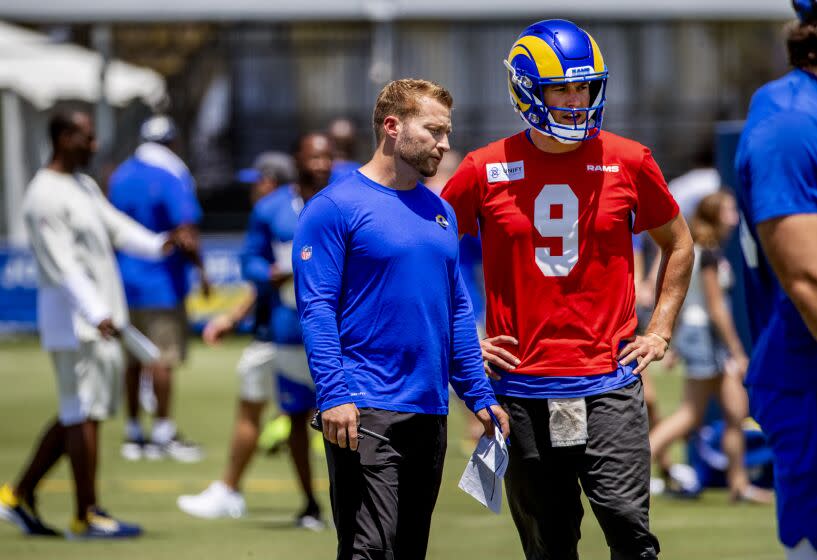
[277, 166]
[248, 175]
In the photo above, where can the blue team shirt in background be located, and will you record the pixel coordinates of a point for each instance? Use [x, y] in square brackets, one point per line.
[161, 199]
[387, 320]
[270, 232]
[262, 311]
[471, 269]
[341, 168]
[777, 168]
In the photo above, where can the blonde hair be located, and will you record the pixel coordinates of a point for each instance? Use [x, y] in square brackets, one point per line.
[400, 98]
[706, 224]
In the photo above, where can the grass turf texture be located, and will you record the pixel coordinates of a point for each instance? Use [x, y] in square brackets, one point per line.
[145, 492]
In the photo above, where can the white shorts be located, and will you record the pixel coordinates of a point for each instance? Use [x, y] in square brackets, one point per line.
[261, 362]
[89, 381]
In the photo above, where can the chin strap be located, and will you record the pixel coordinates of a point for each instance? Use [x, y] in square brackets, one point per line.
[550, 134]
[566, 140]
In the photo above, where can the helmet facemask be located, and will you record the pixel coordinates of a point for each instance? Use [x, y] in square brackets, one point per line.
[578, 131]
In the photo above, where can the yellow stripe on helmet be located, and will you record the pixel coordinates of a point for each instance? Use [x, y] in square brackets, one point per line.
[547, 63]
[598, 60]
[519, 103]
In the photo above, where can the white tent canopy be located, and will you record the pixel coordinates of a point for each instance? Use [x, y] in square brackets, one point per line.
[43, 72]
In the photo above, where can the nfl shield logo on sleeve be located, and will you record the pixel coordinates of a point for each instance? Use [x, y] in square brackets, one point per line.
[306, 252]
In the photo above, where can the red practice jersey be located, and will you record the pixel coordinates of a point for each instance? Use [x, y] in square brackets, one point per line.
[557, 244]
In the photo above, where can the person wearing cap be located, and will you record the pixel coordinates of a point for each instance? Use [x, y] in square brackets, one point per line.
[156, 188]
[274, 365]
[776, 163]
[269, 171]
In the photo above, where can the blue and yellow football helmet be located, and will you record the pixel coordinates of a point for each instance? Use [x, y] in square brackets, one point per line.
[556, 52]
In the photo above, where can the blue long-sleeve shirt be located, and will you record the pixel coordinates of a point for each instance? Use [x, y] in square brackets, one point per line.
[387, 321]
[269, 241]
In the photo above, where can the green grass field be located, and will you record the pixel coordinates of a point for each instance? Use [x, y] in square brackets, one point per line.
[145, 492]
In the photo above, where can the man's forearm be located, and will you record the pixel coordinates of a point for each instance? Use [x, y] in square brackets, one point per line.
[243, 308]
[803, 293]
[671, 288]
[466, 374]
[279, 276]
[323, 350]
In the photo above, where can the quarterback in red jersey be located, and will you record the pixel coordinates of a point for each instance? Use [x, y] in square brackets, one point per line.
[556, 207]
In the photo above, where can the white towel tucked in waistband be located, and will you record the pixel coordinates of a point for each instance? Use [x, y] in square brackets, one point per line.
[568, 422]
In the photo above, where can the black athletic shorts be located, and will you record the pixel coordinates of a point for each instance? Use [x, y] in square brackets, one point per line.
[544, 483]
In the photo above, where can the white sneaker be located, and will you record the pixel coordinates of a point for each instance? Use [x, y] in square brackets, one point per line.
[182, 450]
[215, 502]
[133, 449]
[686, 478]
[310, 522]
[178, 449]
[310, 518]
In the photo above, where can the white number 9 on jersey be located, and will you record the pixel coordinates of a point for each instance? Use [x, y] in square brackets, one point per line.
[556, 218]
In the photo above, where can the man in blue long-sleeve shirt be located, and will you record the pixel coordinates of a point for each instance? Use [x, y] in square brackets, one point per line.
[274, 365]
[387, 325]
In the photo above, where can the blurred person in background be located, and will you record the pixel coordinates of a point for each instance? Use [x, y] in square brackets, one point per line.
[343, 133]
[688, 190]
[700, 181]
[556, 206]
[274, 365]
[707, 341]
[471, 270]
[269, 171]
[643, 311]
[73, 231]
[155, 188]
[777, 169]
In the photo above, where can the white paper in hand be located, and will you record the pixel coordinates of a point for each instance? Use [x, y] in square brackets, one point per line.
[139, 345]
[493, 453]
[483, 474]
